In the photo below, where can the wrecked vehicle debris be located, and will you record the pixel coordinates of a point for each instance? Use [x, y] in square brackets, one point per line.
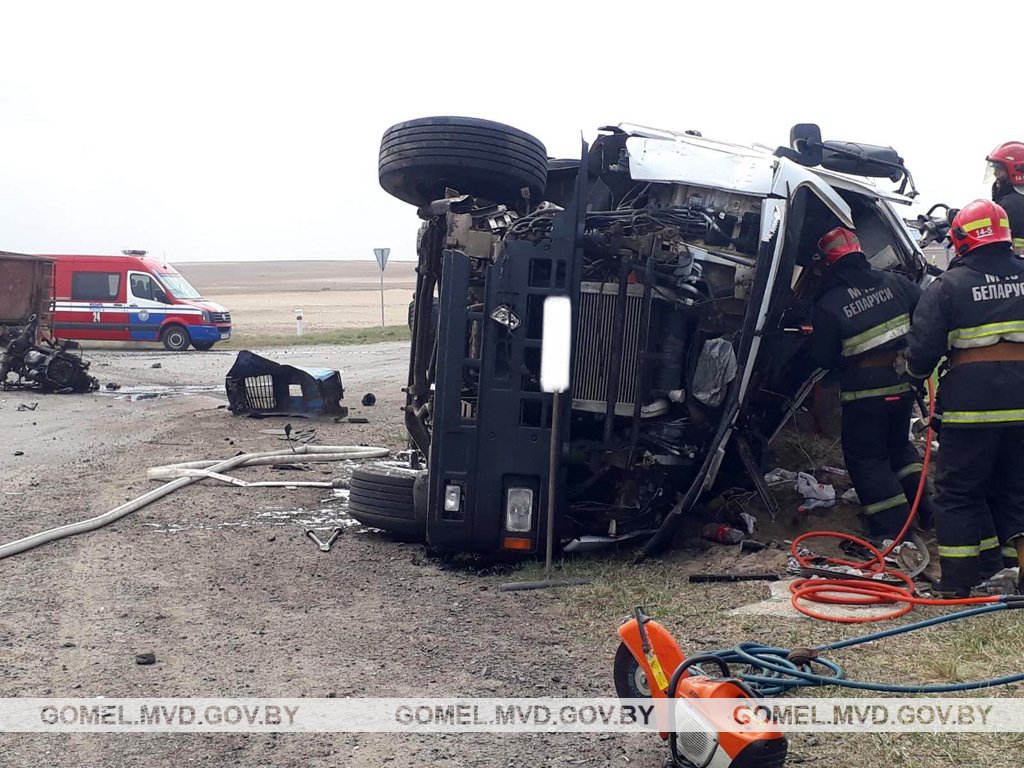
[258, 386]
[686, 260]
[48, 368]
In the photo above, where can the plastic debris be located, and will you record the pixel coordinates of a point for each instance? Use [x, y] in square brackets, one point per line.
[716, 368]
[780, 475]
[815, 494]
[722, 534]
[749, 522]
[851, 497]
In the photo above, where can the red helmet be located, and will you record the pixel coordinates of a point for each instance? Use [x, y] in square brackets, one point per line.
[837, 243]
[1011, 156]
[980, 223]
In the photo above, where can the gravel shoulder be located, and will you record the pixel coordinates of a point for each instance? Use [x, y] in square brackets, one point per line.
[236, 601]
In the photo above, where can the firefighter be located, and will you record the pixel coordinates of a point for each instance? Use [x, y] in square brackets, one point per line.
[860, 322]
[973, 315]
[1006, 169]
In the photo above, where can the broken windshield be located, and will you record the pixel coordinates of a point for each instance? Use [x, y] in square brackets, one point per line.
[179, 287]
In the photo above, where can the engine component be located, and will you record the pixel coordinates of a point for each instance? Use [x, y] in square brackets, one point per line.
[50, 368]
[593, 354]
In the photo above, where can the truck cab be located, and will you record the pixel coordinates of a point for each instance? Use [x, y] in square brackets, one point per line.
[688, 264]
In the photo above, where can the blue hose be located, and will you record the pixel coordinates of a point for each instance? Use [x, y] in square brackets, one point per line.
[779, 675]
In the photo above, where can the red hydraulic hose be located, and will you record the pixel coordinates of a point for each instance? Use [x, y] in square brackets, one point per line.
[859, 592]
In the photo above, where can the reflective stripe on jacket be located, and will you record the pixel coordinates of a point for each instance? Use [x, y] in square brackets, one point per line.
[862, 313]
[977, 302]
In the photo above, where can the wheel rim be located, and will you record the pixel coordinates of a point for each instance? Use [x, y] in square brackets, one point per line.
[175, 338]
[640, 681]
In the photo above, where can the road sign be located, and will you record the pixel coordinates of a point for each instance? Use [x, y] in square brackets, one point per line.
[382, 260]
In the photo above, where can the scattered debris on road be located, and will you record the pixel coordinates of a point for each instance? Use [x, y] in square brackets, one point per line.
[325, 546]
[369, 399]
[48, 368]
[157, 365]
[256, 385]
[145, 659]
[28, 406]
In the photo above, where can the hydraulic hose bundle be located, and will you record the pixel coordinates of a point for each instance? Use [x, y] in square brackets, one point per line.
[840, 591]
[774, 671]
[181, 475]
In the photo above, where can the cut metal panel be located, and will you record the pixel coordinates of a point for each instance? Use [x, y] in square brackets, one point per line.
[700, 165]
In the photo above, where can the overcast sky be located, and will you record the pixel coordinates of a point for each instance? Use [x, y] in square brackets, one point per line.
[219, 131]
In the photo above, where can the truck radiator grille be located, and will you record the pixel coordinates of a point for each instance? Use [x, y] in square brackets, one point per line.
[259, 391]
[220, 317]
[594, 345]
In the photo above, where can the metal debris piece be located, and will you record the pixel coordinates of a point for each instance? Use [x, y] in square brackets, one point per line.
[357, 420]
[258, 386]
[28, 406]
[48, 366]
[325, 546]
[157, 365]
[369, 399]
[145, 659]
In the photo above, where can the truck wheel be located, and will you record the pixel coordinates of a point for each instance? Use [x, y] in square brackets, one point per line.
[203, 346]
[420, 159]
[383, 495]
[175, 338]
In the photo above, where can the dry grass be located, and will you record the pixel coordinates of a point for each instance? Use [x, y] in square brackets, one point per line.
[696, 614]
[344, 337]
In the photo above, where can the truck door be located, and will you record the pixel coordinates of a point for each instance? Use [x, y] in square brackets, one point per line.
[145, 313]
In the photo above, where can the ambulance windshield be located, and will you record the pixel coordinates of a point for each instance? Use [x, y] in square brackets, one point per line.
[179, 287]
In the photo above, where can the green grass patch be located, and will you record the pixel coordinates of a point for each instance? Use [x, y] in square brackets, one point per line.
[343, 336]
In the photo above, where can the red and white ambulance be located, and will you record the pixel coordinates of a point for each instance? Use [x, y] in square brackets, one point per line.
[133, 298]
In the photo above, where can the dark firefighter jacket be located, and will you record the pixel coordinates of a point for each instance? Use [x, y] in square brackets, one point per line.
[1013, 203]
[977, 302]
[862, 312]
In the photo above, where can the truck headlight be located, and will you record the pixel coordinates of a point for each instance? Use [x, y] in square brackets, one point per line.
[519, 510]
[452, 498]
[206, 316]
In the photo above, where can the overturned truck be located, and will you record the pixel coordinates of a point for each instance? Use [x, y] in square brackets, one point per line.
[687, 262]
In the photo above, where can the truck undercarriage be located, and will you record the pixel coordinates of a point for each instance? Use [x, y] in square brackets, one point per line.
[688, 299]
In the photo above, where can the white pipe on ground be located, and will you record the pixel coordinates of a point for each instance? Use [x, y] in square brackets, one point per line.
[319, 453]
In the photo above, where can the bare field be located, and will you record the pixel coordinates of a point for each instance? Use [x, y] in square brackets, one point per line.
[262, 295]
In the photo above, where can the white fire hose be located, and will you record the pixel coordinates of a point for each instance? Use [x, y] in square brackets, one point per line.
[190, 472]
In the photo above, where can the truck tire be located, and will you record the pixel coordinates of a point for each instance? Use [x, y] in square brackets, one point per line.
[420, 159]
[383, 495]
[175, 338]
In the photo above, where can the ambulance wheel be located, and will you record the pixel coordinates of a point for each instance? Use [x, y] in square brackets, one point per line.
[630, 678]
[175, 338]
[203, 346]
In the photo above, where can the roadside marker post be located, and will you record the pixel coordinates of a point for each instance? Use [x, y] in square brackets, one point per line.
[298, 321]
[382, 260]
